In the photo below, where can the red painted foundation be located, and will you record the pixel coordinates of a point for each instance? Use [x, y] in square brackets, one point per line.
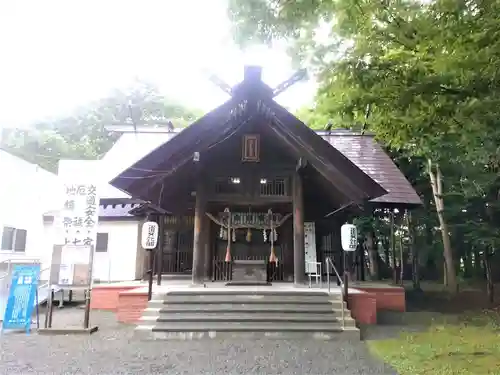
[105, 297]
[363, 308]
[364, 305]
[388, 298]
[131, 304]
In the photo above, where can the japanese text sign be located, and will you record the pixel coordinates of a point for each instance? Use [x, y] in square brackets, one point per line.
[349, 237]
[80, 214]
[149, 238]
[22, 295]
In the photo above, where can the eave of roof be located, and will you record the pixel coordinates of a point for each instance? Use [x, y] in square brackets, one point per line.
[364, 151]
[221, 123]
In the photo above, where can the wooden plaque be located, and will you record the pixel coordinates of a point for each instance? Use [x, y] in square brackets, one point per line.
[251, 148]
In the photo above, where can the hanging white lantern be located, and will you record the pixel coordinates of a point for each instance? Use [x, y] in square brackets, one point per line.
[349, 235]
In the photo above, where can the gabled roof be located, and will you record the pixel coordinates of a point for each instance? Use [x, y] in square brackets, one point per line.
[250, 98]
[366, 153]
[362, 149]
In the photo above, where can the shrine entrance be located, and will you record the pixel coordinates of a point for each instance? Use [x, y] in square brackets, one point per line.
[238, 174]
[250, 247]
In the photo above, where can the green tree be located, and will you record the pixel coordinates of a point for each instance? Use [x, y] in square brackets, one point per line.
[83, 135]
[427, 75]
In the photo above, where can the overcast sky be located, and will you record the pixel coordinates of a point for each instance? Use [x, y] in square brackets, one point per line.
[60, 54]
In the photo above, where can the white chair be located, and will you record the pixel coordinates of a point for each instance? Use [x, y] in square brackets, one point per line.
[316, 267]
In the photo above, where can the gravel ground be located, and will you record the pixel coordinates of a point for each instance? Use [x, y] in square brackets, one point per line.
[114, 350]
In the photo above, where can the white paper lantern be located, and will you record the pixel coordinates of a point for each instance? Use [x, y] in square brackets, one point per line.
[149, 238]
[349, 235]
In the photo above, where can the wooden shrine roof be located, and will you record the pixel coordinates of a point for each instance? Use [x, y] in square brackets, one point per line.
[368, 155]
[168, 164]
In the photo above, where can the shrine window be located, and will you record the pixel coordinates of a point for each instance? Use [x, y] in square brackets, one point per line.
[275, 187]
[229, 185]
[13, 239]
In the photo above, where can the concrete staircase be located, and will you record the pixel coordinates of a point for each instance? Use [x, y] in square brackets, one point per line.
[190, 314]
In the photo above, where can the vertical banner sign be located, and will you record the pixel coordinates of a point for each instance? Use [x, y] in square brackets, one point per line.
[310, 247]
[80, 218]
[21, 299]
[80, 215]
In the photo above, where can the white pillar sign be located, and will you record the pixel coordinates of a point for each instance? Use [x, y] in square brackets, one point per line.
[310, 247]
[78, 222]
[349, 234]
[80, 214]
[149, 238]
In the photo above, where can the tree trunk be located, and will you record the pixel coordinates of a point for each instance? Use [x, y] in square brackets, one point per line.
[387, 256]
[401, 260]
[490, 290]
[415, 264]
[393, 250]
[467, 265]
[372, 255]
[436, 179]
[478, 269]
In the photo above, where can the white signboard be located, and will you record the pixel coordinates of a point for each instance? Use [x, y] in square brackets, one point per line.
[349, 235]
[76, 229]
[66, 272]
[149, 238]
[80, 214]
[310, 247]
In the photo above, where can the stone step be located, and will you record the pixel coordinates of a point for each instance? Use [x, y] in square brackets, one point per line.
[243, 307]
[227, 291]
[256, 298]
[191, 330]
[249, 317]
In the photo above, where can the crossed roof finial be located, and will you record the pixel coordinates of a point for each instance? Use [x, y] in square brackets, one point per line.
[253, 74]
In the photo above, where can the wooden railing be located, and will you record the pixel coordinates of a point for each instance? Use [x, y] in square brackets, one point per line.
[222, 270]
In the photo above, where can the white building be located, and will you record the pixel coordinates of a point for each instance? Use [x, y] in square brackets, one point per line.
[118, 255]
[27, 191]
[32, 197]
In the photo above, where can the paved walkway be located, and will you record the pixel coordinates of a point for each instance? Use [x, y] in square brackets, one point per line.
[114, 350]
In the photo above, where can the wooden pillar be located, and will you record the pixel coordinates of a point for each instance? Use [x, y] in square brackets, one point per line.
[207, 246]
[287, 240]
[198, 246]
[299, 270]
[161, 243]
[169, 247]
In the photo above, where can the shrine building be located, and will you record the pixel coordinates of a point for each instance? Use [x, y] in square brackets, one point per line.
[250, 194]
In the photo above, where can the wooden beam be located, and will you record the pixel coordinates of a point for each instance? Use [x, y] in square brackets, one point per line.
[198, 246]
[159, 258]
[301, 163]
[206, 236]
[298, 230]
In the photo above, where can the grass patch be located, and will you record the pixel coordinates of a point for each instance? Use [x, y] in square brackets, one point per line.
[468, 346]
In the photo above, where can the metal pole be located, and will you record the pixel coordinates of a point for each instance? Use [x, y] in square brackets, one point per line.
[86, 318]
[159, 248]
[151, 268]
[51, 308]
[37, 309]
[346, 276]
[46, 320]
[150, 279]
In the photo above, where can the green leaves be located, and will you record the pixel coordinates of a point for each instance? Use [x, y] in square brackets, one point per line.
[83, 135]
[430, 74]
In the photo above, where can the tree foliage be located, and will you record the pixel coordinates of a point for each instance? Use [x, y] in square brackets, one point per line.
[84, 136]
[424, 76]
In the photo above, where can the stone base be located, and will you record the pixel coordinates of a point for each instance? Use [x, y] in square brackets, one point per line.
[68, 331]
[254, 271]
[248, 283]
